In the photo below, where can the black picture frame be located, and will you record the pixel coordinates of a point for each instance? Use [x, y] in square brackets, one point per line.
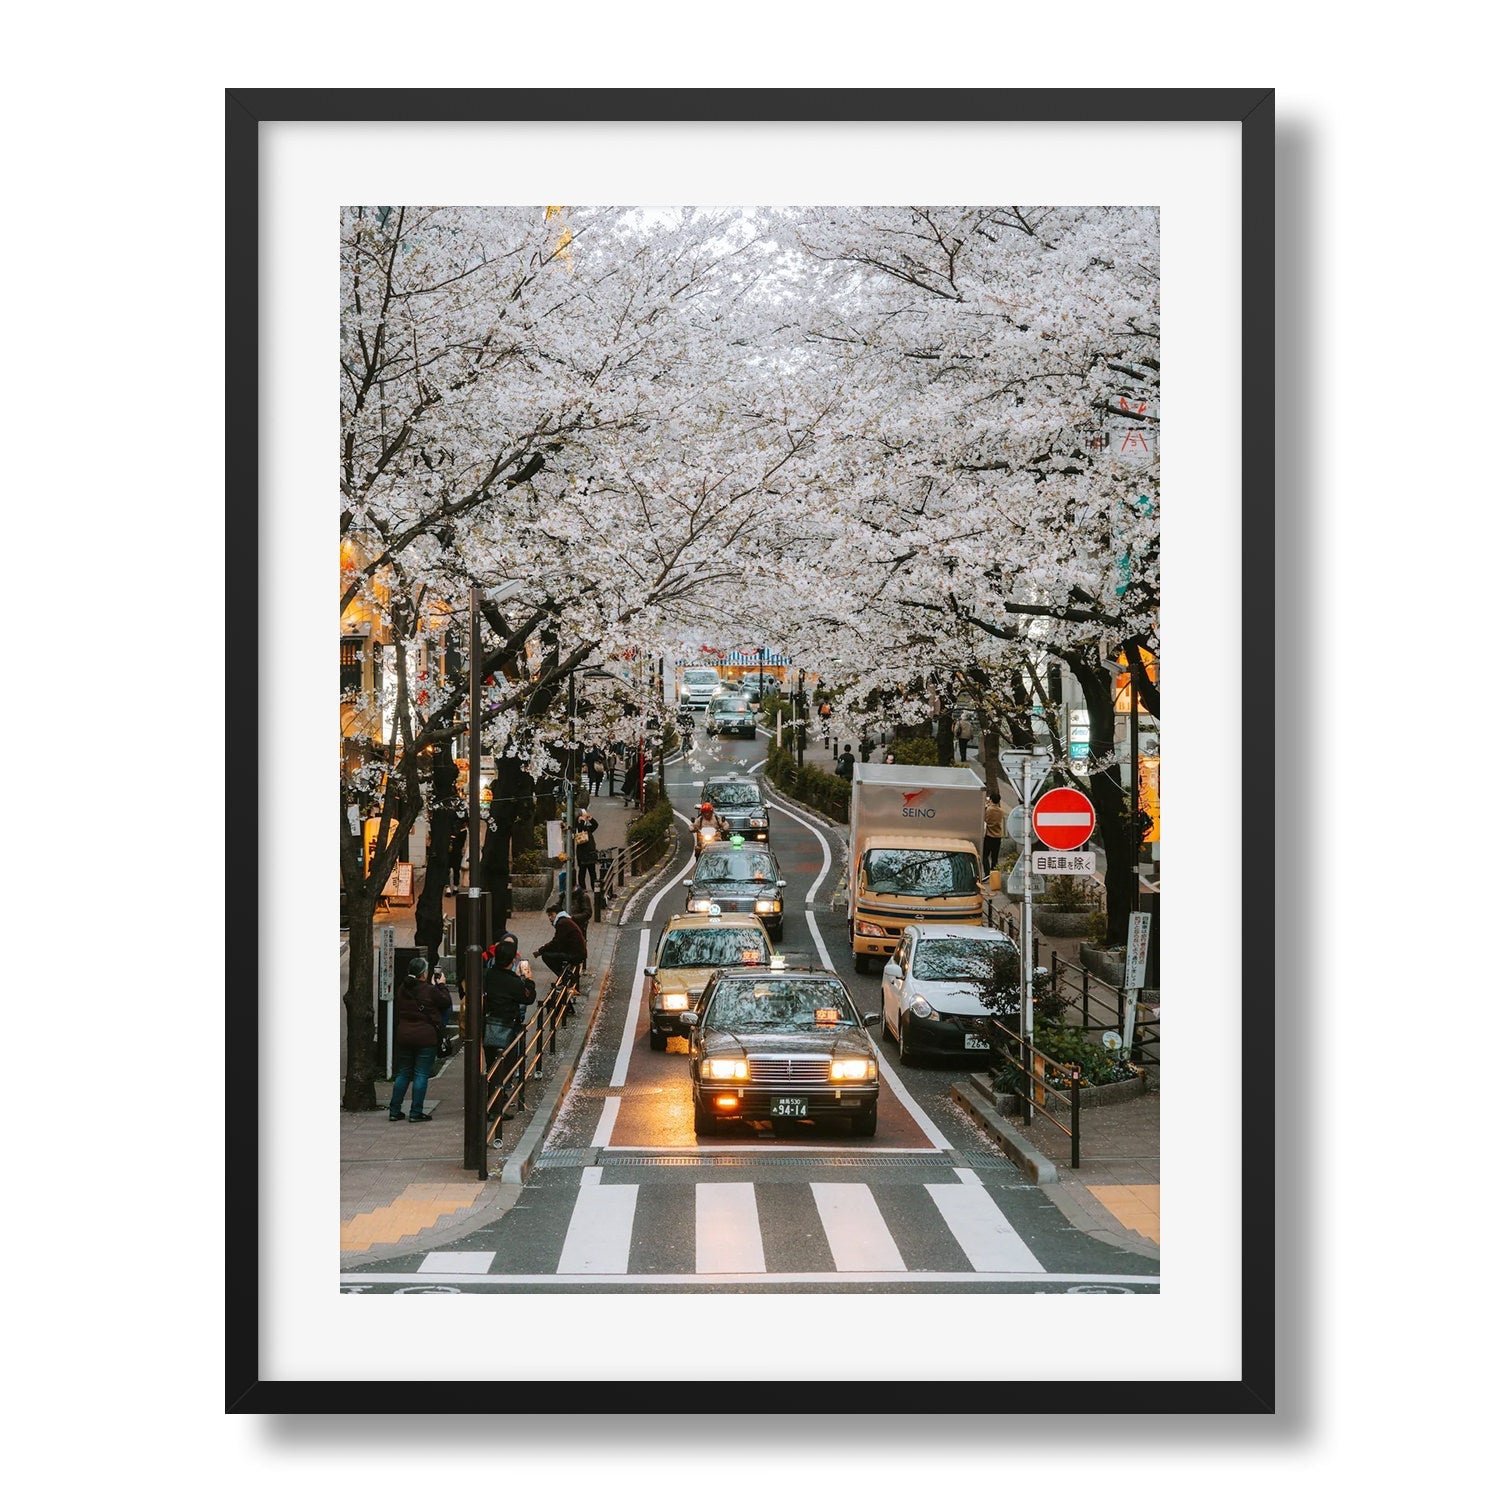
[245, 111]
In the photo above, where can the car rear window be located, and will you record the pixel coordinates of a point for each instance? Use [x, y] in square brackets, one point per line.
[713, 947]
[733, 794]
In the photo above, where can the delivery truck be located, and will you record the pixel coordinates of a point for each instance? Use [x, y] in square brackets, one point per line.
[915, 833]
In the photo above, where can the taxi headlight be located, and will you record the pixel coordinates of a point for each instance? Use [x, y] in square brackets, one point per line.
[768, 906]
[699, 904]
[724, 1067]
[851, 1069]
[919, 1007]
[757, 822]
[674, 1000]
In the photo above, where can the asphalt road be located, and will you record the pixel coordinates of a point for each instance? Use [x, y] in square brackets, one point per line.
[626, 1198]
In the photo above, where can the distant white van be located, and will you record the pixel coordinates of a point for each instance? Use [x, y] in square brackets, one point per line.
[699, 684]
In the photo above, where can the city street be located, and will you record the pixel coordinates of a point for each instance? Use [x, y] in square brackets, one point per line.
[626, 1197]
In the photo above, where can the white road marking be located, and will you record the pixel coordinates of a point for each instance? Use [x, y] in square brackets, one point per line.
[632, 1014]
[606, 1126]
[984, 1234]
[599, 1232]
[856, 1232]
[728, 1228]
[468, 1262]
[751, 1278]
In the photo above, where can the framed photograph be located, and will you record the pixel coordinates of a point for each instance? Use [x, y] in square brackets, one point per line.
[937, 422]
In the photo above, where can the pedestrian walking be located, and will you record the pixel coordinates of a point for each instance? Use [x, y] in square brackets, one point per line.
[825, 713]
[994, 831]
[965, 734]
[419, 1017]
[845, 766]
[508, 990]
[594, 765]
[566, 948]
[586, 849]
[866, 745]
[632, 788]
[612, 766]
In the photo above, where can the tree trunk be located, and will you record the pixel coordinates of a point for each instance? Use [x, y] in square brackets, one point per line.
[945, 737]
[1114, 825]
[359, 1004]
[440, 828]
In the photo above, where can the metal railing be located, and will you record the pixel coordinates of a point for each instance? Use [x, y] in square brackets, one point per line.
[1097, 1005]
[1033, 1065]
[506, 1076]
[617, 864]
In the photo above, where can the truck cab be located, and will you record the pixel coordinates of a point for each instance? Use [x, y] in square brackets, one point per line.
[914, 838]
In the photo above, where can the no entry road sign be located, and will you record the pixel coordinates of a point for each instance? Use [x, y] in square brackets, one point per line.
[1063, 818]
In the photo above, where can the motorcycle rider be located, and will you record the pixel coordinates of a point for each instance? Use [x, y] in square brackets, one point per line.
[708, 821]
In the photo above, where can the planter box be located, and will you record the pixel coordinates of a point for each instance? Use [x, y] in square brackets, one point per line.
[1103, 963]
[1056, 923]
[531, 892]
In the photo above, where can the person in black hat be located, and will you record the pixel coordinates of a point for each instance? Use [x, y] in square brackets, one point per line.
[419, 1020]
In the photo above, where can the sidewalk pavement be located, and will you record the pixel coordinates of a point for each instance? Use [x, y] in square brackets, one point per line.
[403, 1185]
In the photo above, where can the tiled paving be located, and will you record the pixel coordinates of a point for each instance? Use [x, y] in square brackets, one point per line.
[1137, 1206]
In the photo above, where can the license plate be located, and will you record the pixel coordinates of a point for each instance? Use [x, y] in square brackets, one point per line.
[973, 1039]
[789, 1108]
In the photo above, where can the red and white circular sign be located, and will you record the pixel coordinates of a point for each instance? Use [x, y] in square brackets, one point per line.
[1063, 818]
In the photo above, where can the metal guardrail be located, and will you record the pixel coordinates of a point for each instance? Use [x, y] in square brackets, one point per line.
[506, 1077]
[1033, 1065]
[1098, 1005]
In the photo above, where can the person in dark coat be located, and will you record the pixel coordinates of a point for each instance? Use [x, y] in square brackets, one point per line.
[456, 857]
[508, 990]
[586, 849]
[419, 1018]
[845, 766]
[566, 948]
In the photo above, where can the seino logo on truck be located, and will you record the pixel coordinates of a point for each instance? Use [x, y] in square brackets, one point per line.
[909, 808]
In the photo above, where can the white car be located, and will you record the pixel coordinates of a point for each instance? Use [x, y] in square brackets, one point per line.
[929, 998]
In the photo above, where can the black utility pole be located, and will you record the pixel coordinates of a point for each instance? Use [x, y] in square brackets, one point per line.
[478, 929]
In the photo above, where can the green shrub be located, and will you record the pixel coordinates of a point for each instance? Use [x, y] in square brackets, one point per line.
[530, 862]
[914, 750]
[1072, 893]
[651, 828]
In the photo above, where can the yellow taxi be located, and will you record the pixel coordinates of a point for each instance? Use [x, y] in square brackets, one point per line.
[694, 946]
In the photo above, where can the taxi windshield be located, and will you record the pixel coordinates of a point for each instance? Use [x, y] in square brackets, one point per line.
[734, 794]
[720, 863]
[782, 1004]
[713, 947]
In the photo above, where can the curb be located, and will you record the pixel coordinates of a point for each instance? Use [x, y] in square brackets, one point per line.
[520, 1162]
[1031, 1161]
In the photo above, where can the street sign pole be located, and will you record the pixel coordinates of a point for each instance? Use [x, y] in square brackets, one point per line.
[1026, 1018]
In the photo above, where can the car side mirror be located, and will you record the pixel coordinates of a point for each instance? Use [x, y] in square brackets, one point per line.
[781, 882]
[649, 969]
[689, 1018]
[687, 882]
[870, 1018]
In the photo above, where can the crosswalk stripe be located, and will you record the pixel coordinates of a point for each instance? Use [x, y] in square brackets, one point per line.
[728, 1228]
[855, 1230]
[599, 1232]
[984, 1234]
